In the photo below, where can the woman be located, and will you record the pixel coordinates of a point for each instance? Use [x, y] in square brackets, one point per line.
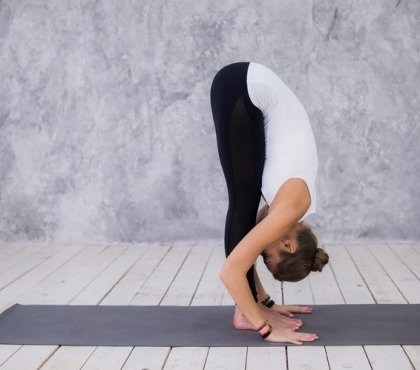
[266, 147]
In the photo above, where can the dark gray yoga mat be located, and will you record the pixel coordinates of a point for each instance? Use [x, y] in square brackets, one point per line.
[199, 326]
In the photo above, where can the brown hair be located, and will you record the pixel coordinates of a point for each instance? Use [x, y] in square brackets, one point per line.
[308, 257]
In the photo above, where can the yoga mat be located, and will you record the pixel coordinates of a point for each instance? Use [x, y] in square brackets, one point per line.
[211, 326]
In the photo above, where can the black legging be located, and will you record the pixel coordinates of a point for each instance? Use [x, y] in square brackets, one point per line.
[241, 144]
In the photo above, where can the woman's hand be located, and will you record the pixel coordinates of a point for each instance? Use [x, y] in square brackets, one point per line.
[279, 320]
[290, 336]
[276, 320]
[288, 311]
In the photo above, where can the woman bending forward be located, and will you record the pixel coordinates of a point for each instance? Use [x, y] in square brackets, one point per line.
[266, 148]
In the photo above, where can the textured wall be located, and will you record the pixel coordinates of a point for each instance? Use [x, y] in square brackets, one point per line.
[105, 125]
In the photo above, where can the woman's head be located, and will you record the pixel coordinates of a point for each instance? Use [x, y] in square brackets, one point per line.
[299, 255]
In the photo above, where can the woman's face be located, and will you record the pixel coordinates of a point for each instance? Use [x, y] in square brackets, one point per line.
[272, 255]
[271, 262]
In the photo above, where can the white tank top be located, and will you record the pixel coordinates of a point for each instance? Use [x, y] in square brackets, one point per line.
[290, 144]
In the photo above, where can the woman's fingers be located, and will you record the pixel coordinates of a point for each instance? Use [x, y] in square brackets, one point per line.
[289, 310]
[282, 311]
[289, 336]
[278, 321]
[307, 337]
[282, 321]
[298, 309]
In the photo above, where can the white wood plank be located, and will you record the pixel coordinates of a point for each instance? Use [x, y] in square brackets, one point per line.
[123, 292]
[29, 357]
[377, 280]
[28, 259]
[150, 358]
[407, 283]
[62, 285]
[299, 293]
[140, 273]
[68, 358]
[186, 358]
[210, 289]
[324, 287]
[98, 288]
[347, 357]
[410, 256]
[6, 251]
[12, 257]
[308, 358]
[272, 286]
[7, 351]
[88, 273]
[155, 287]
[185, 283]
[265, 275]
[10, 294]
[105, 358]
[349, 280]
[413, 353]
[388, 358]
[267, 358]
[227, 299]
[416, 248]
[226, 358]
[277, 291]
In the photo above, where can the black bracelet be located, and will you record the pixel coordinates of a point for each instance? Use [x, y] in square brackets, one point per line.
[269, 304]
[267, 301]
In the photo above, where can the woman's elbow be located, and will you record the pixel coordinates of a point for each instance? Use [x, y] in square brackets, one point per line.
[225, 273]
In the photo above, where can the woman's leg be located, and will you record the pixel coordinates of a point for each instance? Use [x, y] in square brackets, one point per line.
[241, 144]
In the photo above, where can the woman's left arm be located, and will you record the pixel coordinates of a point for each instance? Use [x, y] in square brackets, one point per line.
[290, 207]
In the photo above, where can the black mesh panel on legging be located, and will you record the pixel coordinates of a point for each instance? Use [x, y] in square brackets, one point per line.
[241, 144]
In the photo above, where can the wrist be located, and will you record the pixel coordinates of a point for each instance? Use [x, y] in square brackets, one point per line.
[267, 301]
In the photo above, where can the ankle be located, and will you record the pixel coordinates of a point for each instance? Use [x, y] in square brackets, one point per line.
[240, 321]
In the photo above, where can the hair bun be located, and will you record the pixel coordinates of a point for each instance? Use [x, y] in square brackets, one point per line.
[321, 259]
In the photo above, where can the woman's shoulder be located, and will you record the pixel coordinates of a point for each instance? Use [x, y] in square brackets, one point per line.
[292, 197]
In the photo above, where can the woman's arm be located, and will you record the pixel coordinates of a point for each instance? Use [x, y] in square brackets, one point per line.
[233, 273]
[258, 285]
[291, 204]
[261, 292]
[262, 213]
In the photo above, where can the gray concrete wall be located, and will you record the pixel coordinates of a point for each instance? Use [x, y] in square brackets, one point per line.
[106, 133]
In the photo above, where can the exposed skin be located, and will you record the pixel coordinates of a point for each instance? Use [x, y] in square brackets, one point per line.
[275, 232]
[284, 320]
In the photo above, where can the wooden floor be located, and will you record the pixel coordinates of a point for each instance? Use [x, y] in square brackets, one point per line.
[188, 275]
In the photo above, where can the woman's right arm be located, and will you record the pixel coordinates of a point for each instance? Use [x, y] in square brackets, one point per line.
[233, 274]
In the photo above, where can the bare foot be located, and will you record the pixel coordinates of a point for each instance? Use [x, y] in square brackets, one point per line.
[240, 321]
